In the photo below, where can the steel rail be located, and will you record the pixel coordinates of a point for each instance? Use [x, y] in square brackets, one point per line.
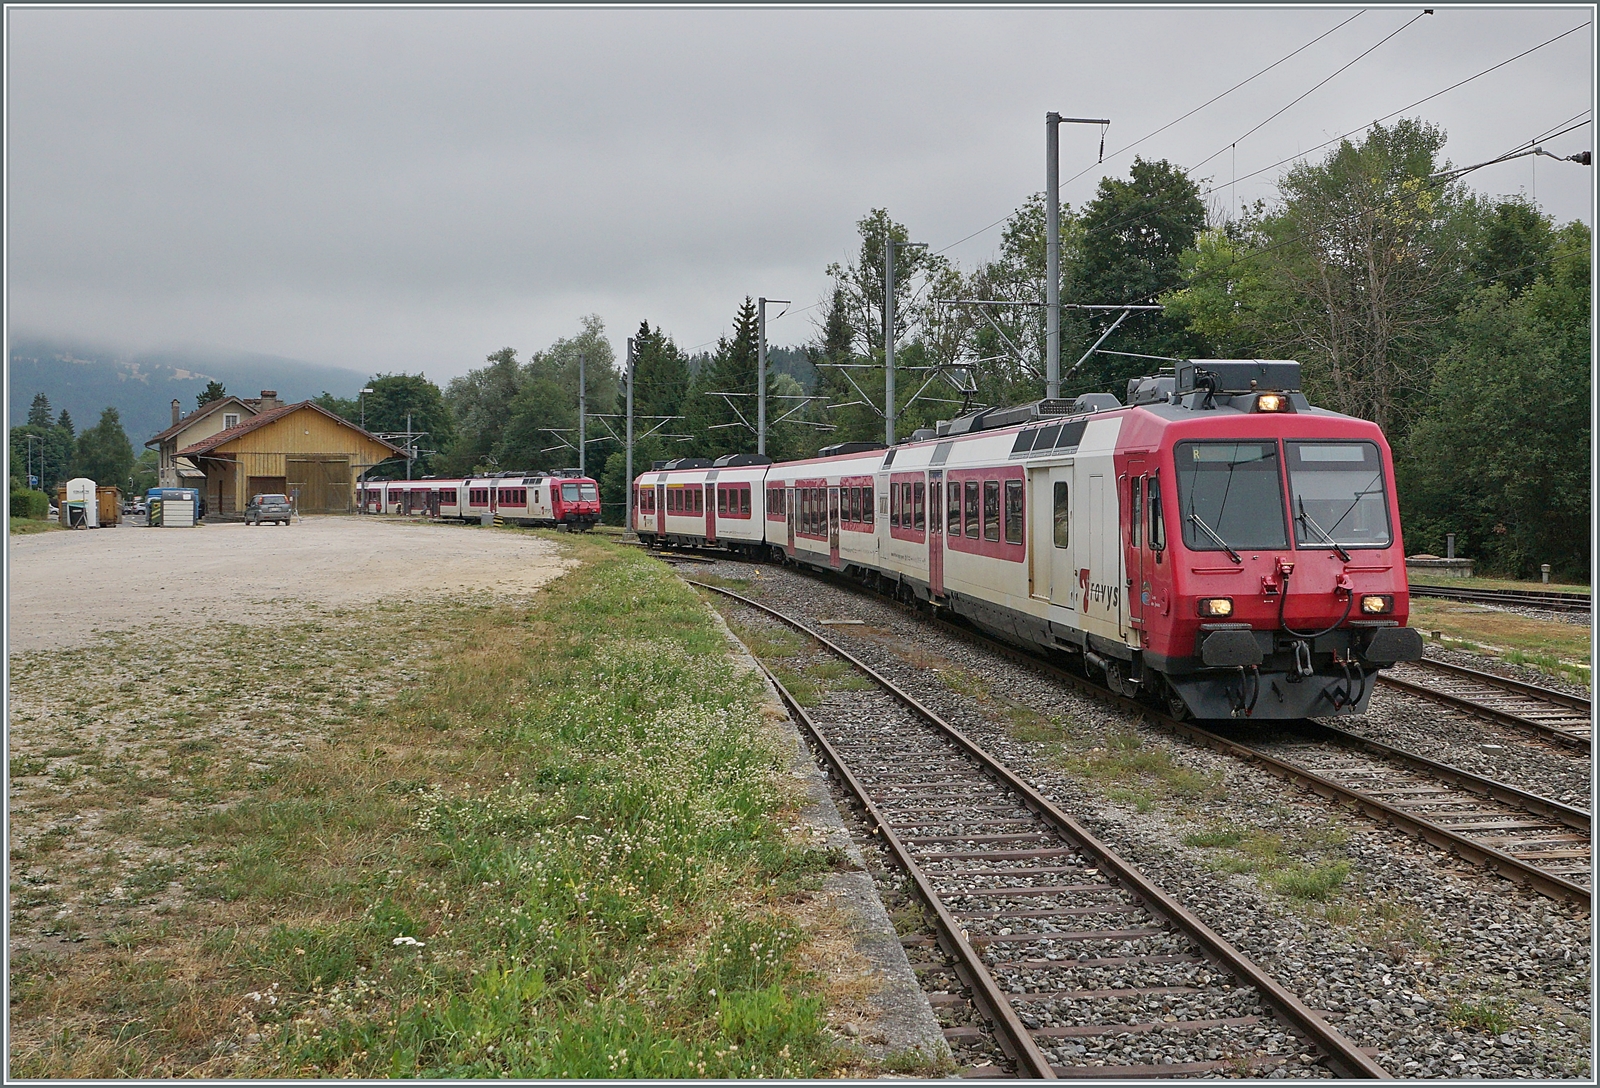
[1565, 737]
[1576, 818]
[1505, 864]
[1013, 1034]
[1341, 1053]
[1520, 687]
[1549, 602]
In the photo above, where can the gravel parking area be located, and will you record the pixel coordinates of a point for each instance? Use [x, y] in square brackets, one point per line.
[65, 588]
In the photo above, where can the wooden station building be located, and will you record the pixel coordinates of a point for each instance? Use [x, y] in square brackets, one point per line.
[284, 449]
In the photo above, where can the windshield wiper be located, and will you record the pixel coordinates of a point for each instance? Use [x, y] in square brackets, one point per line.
[1212, 533]
[1306, 519]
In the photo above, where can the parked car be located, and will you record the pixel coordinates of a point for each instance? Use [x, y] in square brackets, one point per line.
[268, 508]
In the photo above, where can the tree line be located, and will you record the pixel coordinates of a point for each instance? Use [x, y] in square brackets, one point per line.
[1458, 323]
[50, 449]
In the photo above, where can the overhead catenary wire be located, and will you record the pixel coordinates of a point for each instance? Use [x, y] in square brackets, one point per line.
[1342, 136]
[1217, 98]
[1369, 51]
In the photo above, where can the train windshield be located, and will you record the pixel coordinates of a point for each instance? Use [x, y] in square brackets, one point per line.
[569, 492]
[1336, 493]
[1230, 495]
[589, 492]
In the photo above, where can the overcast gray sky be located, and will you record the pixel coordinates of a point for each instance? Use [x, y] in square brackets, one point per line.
[412, 189]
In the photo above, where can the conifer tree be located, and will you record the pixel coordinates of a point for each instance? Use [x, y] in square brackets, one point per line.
[39, 411]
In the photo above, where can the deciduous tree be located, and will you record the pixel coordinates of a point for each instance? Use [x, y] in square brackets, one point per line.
[103, 452]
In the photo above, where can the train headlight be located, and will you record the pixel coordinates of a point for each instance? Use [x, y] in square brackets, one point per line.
[1269, 402]
[1377, 603]
[1216, 606]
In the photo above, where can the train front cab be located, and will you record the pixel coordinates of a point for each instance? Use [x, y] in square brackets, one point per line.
[1263, 563]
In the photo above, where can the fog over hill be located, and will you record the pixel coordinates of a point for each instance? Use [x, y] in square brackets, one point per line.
[141, 385]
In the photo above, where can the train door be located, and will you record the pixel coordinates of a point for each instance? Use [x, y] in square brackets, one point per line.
[788, 516]
[936, 533]
[833, 526]
[1041, 549]
[1138, 579]
[1099, 551]
[1058, 542]
[710, 493]
[660, 511]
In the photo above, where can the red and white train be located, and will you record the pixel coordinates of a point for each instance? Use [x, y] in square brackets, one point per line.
[521, 498]
[1216, 544]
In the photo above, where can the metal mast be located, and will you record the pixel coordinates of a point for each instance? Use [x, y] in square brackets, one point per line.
[761, 372]
[582, 407]
[1052, 244]
[627, 483]
[888, 340]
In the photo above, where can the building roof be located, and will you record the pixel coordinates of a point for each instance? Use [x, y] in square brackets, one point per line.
[206, 445]
[253, 404]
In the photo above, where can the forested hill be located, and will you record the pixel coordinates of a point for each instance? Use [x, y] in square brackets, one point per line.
[141, 385]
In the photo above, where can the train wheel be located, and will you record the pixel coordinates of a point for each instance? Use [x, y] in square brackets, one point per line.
[1116, 674]
[1174, 704]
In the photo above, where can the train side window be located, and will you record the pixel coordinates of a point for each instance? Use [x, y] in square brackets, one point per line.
[905, 506]
[1014, 511]
[952, 509]
[866, 505]
[855, 505]
[1157, 534]
[1135, 509]
[1063, 520]
[971, 514]
[722, 501]
[894, 505]
[744, 501]
[991, 509]
[919, 497]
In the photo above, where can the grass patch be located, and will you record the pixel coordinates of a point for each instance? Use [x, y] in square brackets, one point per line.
[1129, 770]
[1309, 882]
[1559, 649]
[1491, 1015]
[1533, 586]
[1311, 869]
[562, 855]
[25, 526]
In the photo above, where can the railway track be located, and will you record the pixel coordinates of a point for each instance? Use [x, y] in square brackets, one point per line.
[1551, 715]
[1548, 602]
[1082, 965]
[1532, 840]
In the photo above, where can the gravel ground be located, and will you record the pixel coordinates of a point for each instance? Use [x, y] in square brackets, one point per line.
[1445, 970]
[67, 588]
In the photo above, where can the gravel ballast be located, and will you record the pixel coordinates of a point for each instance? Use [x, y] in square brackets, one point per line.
[1443, 969]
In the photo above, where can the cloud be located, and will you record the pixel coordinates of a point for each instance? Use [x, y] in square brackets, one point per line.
[416, 188]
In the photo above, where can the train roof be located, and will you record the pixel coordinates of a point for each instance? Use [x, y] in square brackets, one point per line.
[1192, 391]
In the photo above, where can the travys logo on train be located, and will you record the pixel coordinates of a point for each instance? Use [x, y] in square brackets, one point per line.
[1108, 595]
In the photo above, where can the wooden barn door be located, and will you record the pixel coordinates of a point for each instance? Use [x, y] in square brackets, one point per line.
[323, 483]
